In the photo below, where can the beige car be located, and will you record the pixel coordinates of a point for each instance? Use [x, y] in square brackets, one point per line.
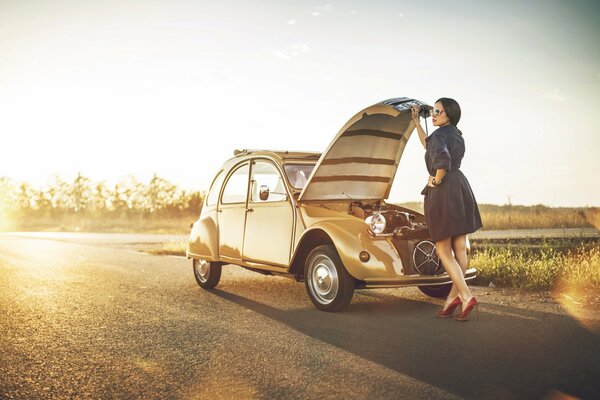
[321, 218]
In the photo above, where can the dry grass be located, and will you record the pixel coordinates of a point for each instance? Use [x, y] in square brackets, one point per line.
[532, 217]
[173, 248]
[134, 224]
[592, 216]
[496, 217]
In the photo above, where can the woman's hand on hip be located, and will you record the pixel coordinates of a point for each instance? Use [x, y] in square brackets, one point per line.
[429, 182]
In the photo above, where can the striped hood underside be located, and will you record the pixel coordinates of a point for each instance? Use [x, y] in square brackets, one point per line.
[361, 161]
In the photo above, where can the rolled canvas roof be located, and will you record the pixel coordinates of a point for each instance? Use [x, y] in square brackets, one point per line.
[361, 161]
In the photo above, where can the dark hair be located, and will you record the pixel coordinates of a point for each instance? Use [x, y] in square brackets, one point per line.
[451, 108]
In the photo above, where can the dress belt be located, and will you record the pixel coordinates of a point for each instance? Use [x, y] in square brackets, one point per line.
[427, 187]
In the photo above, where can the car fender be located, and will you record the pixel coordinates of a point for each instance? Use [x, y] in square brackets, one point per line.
[351, 237]
[203, 242]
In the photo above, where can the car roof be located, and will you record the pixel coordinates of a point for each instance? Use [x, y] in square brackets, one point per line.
[281, 155]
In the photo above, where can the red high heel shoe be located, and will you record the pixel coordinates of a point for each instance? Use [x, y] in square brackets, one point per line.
[447, 313]
[471, 305]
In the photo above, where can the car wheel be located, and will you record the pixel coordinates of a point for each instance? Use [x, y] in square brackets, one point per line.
[437, 291]
[207, 273]
[329, 286]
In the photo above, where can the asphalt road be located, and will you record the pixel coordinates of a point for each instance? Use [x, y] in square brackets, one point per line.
[85, 319]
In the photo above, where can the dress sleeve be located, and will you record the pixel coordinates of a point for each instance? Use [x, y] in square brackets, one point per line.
[440, 155]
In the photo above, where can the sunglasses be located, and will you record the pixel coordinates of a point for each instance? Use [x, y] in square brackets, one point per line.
[435, 112]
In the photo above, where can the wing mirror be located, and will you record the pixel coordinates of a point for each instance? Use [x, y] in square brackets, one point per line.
[263, 192]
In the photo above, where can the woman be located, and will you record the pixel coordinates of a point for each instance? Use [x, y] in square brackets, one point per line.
[450, 207]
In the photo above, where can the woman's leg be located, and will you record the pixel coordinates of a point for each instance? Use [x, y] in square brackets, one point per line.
[454, 270]
[459, 248]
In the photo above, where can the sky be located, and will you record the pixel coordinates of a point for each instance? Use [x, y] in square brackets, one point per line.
[115, 88]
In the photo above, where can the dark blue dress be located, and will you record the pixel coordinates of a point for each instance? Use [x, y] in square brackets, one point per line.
[450, 208]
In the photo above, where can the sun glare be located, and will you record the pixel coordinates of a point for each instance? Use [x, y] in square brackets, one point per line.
[5, 221]
[573, 296]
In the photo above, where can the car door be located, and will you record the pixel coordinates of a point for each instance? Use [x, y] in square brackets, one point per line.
[269, 222]
[232, 213]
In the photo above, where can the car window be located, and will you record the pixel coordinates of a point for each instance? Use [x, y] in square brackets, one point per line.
[236, 187]
[213, 194]
[266, 174]
[298, 174]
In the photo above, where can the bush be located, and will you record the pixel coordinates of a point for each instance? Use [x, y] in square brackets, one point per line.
[541, 270]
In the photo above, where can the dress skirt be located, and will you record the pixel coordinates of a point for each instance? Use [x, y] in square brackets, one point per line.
[450, 208]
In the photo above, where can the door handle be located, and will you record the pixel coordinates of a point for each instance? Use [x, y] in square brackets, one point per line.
[249, 209]
[219, 210]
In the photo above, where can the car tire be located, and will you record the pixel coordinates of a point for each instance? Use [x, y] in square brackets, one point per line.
[330, 287]
[437, 291]
[207, 274]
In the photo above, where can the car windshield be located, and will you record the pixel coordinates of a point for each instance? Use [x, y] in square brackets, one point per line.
[298, 174]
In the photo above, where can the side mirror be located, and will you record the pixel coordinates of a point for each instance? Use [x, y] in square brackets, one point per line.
[263, 192]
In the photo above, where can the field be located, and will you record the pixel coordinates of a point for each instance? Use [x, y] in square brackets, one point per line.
[501, 217]
[494, 218]
[106, 223]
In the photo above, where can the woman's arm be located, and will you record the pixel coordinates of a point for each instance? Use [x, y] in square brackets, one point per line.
[417, 121]
[441, 160]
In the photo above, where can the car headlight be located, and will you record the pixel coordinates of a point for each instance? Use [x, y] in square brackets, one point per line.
[376, 223]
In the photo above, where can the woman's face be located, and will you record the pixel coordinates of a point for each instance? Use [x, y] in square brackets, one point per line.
[441, 118]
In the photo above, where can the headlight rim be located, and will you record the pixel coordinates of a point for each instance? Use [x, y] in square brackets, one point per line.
[376, 223]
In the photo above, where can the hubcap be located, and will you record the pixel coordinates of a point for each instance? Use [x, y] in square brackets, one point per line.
[323, 279]
[202, 269]
[425, 259]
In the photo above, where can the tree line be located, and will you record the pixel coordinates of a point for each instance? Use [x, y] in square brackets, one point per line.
[82, 196]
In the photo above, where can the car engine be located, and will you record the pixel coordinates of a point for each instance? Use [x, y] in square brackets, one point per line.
[391, 220]
[406, 231]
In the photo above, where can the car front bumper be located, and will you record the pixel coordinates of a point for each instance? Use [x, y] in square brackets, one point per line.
[415, 280]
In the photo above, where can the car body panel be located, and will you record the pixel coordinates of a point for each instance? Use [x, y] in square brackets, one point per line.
[203, 242]
[231, 220]
[350, 236]
[272, 245]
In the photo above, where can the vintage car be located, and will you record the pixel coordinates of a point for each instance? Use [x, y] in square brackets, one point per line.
[321, 218]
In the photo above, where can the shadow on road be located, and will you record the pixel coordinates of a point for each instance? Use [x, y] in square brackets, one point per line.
[508, 353]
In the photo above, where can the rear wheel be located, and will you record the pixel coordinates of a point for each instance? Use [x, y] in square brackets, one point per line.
[207, 273]
[329, 286]
[437, 291]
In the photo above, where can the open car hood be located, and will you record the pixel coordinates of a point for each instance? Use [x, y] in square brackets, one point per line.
[361, 161]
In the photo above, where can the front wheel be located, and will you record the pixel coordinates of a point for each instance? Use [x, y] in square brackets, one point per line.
[437, 291]
[329, 286]
[207, 273]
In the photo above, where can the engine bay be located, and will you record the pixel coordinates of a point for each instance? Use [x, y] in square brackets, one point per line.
[391, 220]
[408, 233]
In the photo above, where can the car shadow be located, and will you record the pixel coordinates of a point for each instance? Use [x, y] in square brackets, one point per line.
[507, 353]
